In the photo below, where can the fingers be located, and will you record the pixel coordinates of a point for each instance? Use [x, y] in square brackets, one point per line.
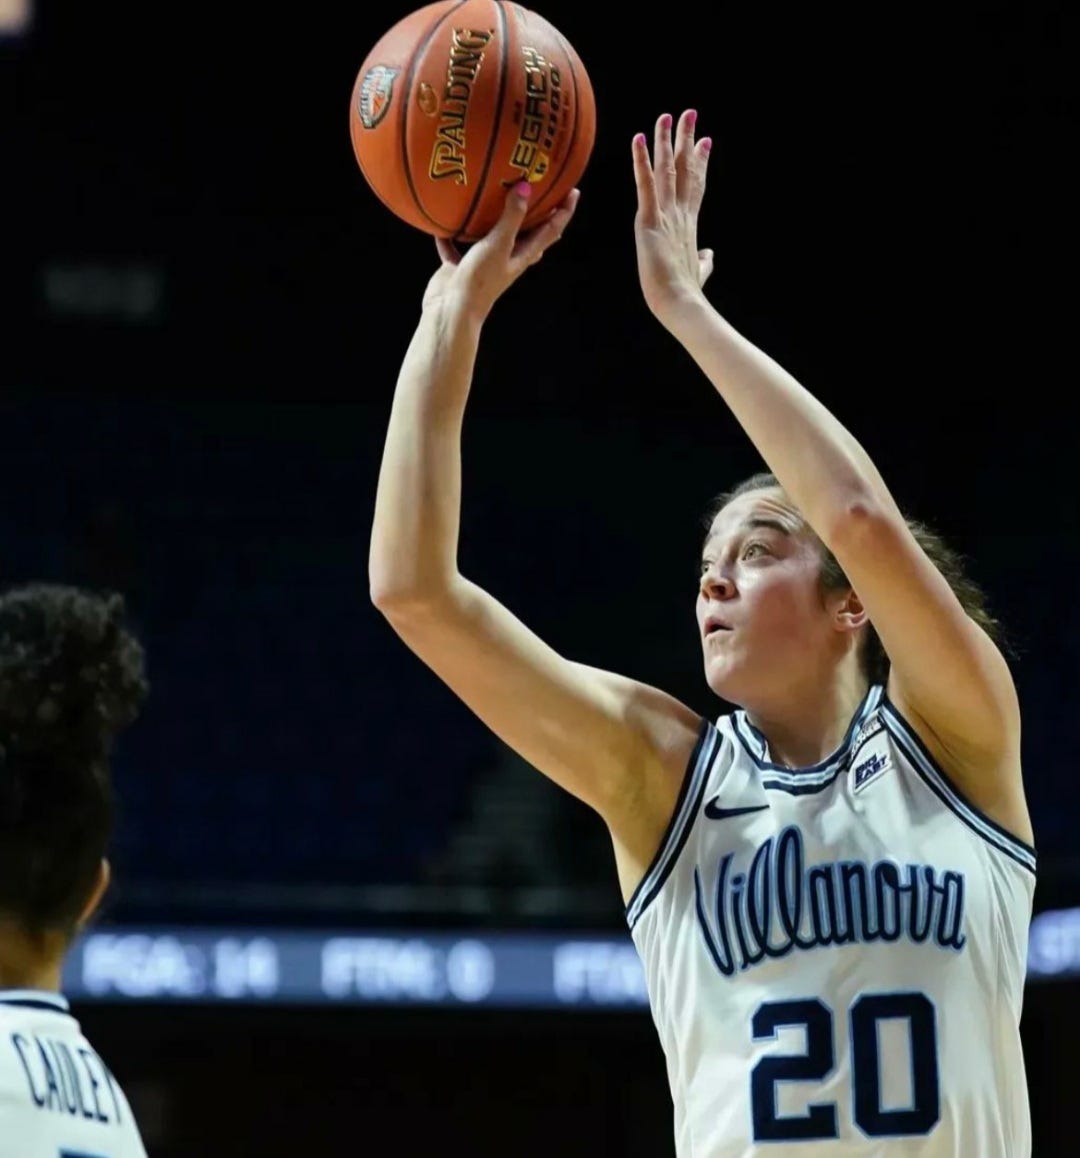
[698, 165]
[663, 160]
[648, 208]
[684, 155]
[677, 172]
[504, 232]
[449, 254]
[531, 246]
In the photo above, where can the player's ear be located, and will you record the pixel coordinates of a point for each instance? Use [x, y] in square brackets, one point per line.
[101, 884]
[848, 612]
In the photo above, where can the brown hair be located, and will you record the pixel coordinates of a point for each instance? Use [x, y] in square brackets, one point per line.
[947, 560]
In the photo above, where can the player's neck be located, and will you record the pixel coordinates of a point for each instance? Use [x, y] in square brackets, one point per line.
[806, 729]
[28, 962]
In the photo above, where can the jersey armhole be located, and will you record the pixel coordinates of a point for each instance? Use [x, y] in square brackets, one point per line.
[682, 820]
[937, 780]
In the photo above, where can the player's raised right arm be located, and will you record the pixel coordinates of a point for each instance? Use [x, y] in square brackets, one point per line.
[412, 563]
[608, 740]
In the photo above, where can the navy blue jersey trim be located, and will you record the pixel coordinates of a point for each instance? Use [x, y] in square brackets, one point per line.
[866, 706]
[911, 743]
[22, 999]
[801, 789]
[706, 745]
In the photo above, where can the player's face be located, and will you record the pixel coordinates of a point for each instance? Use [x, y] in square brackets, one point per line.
[763, 618]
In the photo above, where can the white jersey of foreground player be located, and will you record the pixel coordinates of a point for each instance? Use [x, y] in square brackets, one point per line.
[835, 955]
[57, 1097]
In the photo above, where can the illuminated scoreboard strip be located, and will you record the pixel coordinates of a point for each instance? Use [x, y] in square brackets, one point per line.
[395, 967]
[373, 967]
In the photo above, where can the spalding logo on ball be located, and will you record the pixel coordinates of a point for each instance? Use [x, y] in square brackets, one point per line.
[462, 99]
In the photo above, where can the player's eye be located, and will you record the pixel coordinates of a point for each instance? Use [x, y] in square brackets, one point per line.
[753, 550]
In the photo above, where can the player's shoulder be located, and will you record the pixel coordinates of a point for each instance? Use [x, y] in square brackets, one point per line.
[32, 1009]
[52, 1078]
[667, 731]
[29, 1019]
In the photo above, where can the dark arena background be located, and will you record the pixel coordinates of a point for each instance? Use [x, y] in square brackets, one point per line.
[346, 919]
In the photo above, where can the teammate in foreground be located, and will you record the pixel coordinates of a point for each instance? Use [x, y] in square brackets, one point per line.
[71, 678]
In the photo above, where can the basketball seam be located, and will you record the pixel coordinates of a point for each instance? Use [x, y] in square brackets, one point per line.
[573, 132]
[493, 139]
[406, 101]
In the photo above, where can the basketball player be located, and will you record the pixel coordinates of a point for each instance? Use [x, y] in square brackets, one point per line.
[830, 885]
[71, 677]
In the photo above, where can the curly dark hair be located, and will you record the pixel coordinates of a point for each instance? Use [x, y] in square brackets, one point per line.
[71, 678]
[948, 561]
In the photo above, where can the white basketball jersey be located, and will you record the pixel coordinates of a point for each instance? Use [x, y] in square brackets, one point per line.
[835, 956]
[57, 1097]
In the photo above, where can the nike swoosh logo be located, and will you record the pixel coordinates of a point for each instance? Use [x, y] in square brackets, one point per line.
[714, 812]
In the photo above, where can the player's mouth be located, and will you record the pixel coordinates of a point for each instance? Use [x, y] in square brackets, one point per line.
[715, 626]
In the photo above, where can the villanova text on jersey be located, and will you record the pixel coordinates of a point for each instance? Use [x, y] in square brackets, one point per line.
[779, 904]
[835, 955]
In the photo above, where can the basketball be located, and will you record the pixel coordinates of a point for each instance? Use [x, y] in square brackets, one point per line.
[460, 100]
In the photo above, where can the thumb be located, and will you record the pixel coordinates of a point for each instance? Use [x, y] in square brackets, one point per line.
[705, 265]
[505, 230]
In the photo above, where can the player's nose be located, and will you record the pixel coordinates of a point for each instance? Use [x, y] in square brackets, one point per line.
[716, 584]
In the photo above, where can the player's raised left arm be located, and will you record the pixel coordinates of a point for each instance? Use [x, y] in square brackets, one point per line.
[948, 677]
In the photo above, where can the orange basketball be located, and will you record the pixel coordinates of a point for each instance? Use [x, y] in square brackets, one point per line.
[462, 99]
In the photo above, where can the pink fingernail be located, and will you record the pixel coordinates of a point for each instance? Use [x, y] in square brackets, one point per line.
[691, 116]
[523, 189]
[665, 121]
[639, 139]
[706, 144]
